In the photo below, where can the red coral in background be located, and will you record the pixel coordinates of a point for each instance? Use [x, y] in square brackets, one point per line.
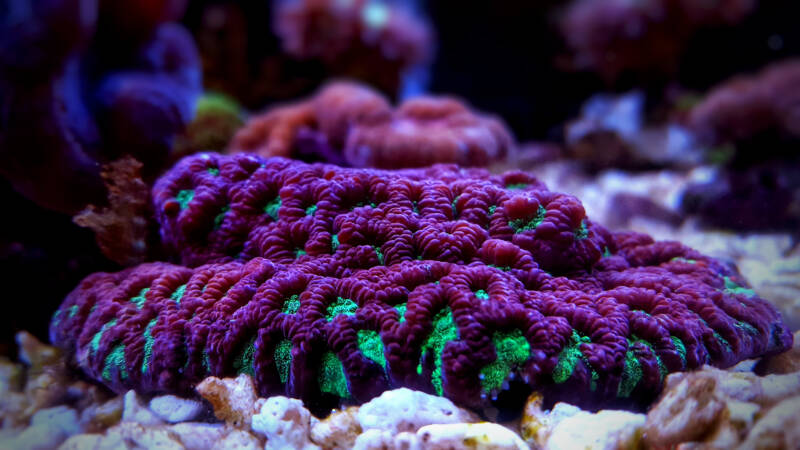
[748, 106]
[615, 37]
[349, 123]
[361, 39]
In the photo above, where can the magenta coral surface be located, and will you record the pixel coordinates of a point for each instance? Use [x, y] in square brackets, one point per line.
[451, 281]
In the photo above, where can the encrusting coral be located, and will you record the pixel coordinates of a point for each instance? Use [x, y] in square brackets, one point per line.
[446, 280]
[349, 124]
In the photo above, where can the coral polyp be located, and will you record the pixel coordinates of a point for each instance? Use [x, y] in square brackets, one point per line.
[333, 285]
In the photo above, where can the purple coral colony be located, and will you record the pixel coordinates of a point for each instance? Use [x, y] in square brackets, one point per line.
[333, 284]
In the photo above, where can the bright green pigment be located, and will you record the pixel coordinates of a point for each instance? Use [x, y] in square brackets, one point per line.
[213, 171]
[342, 306]
[401, 312]
[331, 376]
[379, 254]
[116, 358]
[184, 197]
[746, 327]
[370, 344]
[453, 205]
[519, 225]
[631, 374]
[72, 311]
[414, 207]
[678, 343]
[95, 342]
[569, 357]
[733, 288]
[178, 294]
[56, 317]
[512, 350]
[244, 362]
[334, 242]
[444, 331]
[272, 207]
[283, 359]
[140, 299]
[492, 209]
[481, 294]
[582, 232]
[220, 217]
[516, 186]
[298, 252]
[291, 305]
[148, 344]
[311, 210]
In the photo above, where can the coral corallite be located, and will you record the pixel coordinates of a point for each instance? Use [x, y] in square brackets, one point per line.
[349, 282]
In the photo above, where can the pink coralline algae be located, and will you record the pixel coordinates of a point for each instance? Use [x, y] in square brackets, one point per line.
[354, 281]
[349, 124]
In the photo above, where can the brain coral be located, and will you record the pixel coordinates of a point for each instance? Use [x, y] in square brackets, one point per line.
[455, 282]
[349, 124]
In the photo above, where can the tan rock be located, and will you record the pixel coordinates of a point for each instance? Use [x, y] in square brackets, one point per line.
[96, 418]
[11, 376]
[536, 424]
[337, 431]
[783, 363]
[374, 439]
[406, 410]
[482, 436]
[199, 436]
[136, 435]
[134, 411]
[35, 354]
[604, 430]
[174, 409]
[238, 440]
[233, 399]
[48, 429]
[284, 422]
[685, 412]
[778, 428]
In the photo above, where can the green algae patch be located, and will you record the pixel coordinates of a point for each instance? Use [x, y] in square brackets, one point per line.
[140, 299]
[512, 351]
[444, 331]
[184, 197]
[521, 225]
[569, 357]
[371, 346]
[331, 376]
[115, 359]
[291, 305]
[272, 207]
[178, 294]
[283, 359]
[244, 361]
[95, 342]
[734, 289]
[148, 344]
[401, 312]
[342, 306]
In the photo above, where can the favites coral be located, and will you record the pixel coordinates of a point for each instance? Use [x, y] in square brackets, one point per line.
[349, 282]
